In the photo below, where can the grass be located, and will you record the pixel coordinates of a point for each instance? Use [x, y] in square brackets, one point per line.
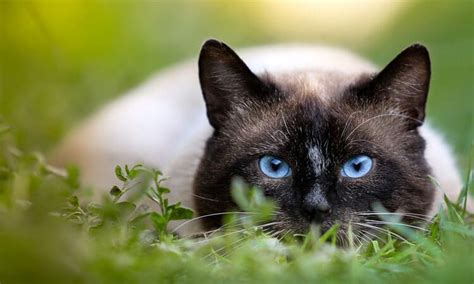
[49, 235]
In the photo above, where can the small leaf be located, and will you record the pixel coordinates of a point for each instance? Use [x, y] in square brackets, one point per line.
[181, 213]
[72, 178]
[115, 191]
[135, 171]
[156, 173]
[119, 174]
[162, 190]
[239, 194]
[159, 221]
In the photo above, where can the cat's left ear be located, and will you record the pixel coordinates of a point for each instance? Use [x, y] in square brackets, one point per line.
[404, 83]
[227, 84]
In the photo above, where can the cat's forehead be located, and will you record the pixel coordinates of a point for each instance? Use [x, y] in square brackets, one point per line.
[323, 85]
[317, 111]
[321, 102]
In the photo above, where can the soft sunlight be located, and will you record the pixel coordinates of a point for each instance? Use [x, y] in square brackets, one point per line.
[354, 21]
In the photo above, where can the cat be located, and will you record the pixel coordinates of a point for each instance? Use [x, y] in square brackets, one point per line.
[320, 130]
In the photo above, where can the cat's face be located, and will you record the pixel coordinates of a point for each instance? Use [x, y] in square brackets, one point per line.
[323, 160]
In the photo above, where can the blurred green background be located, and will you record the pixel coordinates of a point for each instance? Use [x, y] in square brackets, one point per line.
[61, 60]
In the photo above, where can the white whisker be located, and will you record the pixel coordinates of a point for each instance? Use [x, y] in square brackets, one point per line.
[238, 231]
[208, 215]
[224, 247]
[348, 121]
[375, 236]
[425, 218]
[205, 198]
[396, 224]
[382, 230]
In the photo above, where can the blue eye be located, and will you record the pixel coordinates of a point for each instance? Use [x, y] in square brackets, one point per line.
[357, 167]
[274, 167]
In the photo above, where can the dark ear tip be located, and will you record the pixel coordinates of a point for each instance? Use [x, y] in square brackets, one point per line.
[213, 48]
[419, 50]
[213, 44]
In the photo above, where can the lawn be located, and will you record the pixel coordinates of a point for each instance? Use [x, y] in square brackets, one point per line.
[61, 61]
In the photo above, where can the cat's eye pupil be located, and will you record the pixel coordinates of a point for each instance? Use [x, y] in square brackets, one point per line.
[275, 164]
[274, 167]
[357, 166]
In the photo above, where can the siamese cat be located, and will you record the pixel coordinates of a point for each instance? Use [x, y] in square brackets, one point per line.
[323, 132]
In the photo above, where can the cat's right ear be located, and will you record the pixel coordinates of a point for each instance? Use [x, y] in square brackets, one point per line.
[404, 84]
[227, 84]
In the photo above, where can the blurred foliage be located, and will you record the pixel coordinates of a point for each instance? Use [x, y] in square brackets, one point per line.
[49, 235]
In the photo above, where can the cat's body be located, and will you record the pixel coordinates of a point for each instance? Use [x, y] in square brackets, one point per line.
[163, 123]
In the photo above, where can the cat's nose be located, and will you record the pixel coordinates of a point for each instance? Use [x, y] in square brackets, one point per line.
[316, 205]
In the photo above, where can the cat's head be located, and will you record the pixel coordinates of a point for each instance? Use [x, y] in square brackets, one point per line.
[324, 158]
